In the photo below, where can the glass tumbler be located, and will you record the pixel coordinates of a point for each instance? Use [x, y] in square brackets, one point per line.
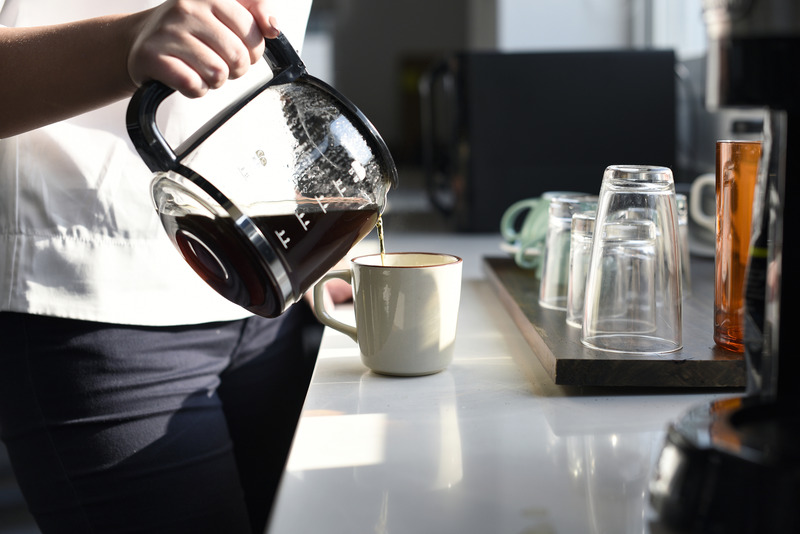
[633, 300]
[682, 204]
[555, 264]
[580, 250]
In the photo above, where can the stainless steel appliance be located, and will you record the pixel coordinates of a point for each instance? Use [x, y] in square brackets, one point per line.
[734, 466]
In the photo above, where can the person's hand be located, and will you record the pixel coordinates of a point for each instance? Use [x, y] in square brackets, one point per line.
[335, 291]
[196, 45]
[339, 291]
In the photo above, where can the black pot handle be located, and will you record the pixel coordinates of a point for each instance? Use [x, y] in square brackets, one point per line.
[286, 67]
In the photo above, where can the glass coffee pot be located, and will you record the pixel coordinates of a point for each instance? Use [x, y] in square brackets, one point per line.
[273, 191]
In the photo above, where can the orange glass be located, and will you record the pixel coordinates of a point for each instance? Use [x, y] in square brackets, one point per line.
[736, 172]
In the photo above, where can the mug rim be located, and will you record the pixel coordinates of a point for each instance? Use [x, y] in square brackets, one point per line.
[361, 260]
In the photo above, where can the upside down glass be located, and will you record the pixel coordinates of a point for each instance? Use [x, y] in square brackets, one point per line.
[580, 250]
[554, 277]
[633, 287]
[530, 238]
[683, 230]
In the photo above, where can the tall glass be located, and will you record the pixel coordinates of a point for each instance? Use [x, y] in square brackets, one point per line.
[737, 173]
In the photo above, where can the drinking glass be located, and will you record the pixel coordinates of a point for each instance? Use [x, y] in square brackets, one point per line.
[555, 265]
[633, 286]
[580, 250]
[682, 204]
[736, 176]
[529, 237]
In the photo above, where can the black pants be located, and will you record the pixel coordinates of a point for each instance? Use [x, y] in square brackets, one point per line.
[132, 429]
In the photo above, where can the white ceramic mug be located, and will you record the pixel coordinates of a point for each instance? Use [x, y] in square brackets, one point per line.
[406, 310]
[696, 201]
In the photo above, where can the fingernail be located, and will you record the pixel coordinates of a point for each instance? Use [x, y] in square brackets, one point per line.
[274, 23]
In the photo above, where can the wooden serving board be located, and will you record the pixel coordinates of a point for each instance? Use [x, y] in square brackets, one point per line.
[699, 364]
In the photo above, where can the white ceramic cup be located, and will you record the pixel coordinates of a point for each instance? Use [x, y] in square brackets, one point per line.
[406, 310]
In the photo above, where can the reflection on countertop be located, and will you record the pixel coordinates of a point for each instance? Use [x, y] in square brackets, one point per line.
[480, 447]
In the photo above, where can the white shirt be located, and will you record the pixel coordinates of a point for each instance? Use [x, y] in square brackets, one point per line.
[79, 237]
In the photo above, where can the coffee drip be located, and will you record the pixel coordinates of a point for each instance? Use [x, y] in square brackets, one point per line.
[382, 244]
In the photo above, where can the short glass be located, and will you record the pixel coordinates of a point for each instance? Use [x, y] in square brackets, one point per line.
[555, 266]
[580, 250]
[682, 204]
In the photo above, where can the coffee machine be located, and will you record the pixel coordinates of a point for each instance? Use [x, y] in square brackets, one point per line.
[733, 466]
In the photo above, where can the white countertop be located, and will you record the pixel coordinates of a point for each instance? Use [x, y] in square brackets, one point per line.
[477, 448]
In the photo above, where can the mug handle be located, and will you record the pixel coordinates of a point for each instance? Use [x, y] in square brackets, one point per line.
[319, 303]
[510, 217]
[695, 201]
[525, 261]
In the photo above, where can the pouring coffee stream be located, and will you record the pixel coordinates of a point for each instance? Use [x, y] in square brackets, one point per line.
[381, 242]
[274, 190]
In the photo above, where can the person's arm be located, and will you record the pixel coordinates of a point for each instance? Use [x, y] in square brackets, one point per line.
[50, 73]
